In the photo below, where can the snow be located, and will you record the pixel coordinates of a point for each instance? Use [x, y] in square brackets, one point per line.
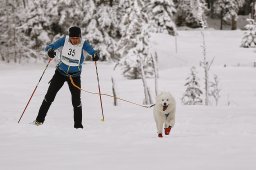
[223, 45]
[213, 137]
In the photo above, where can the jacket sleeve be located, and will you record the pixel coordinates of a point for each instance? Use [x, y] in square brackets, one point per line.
[57, 44]
[88, 48]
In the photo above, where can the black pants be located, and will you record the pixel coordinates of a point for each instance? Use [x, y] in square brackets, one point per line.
[56, 83]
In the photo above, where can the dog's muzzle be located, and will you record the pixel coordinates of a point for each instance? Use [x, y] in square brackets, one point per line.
[165, 106]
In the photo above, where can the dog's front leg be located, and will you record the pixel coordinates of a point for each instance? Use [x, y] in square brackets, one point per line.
[169, 123]
[170, 120]
[160, 124]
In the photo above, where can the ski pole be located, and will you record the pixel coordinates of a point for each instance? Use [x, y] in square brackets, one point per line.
[34, 90]
[99, 91]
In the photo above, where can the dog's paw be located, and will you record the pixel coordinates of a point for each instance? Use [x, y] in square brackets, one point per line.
[167, 130]
[160, 135]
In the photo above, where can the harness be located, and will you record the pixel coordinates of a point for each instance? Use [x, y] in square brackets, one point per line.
[76, 74]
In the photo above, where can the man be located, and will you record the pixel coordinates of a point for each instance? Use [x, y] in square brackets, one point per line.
[73, 50]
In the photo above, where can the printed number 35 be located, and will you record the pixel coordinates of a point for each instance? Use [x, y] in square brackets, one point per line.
[71, 52]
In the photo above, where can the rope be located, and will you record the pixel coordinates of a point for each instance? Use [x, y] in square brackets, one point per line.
[104, 94]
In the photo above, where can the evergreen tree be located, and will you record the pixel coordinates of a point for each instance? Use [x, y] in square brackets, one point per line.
[102, 27]
[160, 14]
[133, 47]
[187, 13]
[4, 26]
[44, 21]
[8, 36]
[210, 5]
[192, 95]
[249, 38]
[228, 10]
[35, 27]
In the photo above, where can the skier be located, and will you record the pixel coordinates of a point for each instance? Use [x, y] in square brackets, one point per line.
[73, 50]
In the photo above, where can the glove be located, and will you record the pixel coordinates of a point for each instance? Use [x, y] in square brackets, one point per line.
[51, 53]
[96, 56]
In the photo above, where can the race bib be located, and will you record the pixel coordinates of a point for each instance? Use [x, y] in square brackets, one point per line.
[71, 54]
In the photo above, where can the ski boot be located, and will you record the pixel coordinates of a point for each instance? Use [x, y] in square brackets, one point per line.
[77, 126]
[35, 122]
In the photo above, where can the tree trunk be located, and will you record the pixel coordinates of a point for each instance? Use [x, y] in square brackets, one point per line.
[210, 7]
[135, 73]
[146, 91]
[24, 3]
[253, 10]
[114, 91]
[155, 65]
[14, 33]
[234, 23]
[8, 27]
[114, 85]
[221, 20]
[149, 96]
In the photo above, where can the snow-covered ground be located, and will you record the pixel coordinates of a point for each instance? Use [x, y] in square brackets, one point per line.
[214, 137]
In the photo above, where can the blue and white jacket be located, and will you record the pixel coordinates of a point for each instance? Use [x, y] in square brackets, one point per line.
[66, 69]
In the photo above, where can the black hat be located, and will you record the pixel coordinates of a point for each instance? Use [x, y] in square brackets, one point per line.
[74, 32]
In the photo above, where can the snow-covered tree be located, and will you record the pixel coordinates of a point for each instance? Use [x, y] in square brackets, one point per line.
[39, 22]
[43, 21]
[133, 47]
[34, 24]
[39, 25]
[4, 18]
[187, 13]
[192, 95]
[228, 10]
[249, 38]
[160, 14]
[8, 36]
[133, 58]
[102, 27]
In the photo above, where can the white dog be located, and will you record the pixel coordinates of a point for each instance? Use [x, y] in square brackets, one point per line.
[164, 113]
